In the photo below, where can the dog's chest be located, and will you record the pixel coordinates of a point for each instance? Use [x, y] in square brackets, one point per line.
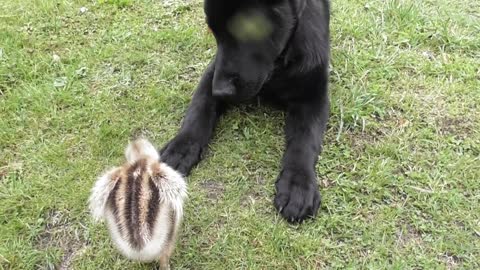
[283, 88]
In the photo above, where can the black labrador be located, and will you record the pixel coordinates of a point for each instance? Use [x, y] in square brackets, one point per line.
[276, 50]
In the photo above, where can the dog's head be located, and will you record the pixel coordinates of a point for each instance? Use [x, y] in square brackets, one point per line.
[250, 36]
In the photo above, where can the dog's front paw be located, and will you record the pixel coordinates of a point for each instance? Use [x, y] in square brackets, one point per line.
[182, 153]
[297, 196]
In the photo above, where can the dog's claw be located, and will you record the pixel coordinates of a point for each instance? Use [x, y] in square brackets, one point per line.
[297, 196]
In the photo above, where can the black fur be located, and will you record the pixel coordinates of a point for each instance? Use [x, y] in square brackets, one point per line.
[289, 66]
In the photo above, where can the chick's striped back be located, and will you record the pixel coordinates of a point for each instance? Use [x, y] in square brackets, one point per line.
[135, 201]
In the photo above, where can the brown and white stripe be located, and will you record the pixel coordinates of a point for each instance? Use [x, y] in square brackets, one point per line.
[142, 202]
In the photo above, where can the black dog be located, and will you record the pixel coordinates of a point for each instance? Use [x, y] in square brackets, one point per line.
[276, 50]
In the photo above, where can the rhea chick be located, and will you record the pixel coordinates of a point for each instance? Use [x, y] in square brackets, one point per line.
[142, 203]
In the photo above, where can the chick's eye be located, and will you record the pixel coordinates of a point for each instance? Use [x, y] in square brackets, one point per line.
[250, 26]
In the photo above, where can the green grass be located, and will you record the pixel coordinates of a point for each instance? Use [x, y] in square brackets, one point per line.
[399, 174]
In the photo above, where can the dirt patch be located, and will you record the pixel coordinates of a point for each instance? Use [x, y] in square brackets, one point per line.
[5, 170]
[451, 261]
[60, 233]
[409, 236]
[213, 189]
[11, 178]
[256, 193]
[251, 198]
[456, 126]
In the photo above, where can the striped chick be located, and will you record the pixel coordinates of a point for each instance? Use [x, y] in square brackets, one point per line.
[142, 203]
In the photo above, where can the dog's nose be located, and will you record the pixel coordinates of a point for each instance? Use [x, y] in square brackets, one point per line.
[223, 90]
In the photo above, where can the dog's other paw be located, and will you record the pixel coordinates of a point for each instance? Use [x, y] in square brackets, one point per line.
[182, 153]
[297, 196]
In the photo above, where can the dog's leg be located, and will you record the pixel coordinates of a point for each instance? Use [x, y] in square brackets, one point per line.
[297, 196]
[185, 150]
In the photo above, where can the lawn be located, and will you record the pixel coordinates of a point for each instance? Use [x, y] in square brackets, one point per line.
[399, 175]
